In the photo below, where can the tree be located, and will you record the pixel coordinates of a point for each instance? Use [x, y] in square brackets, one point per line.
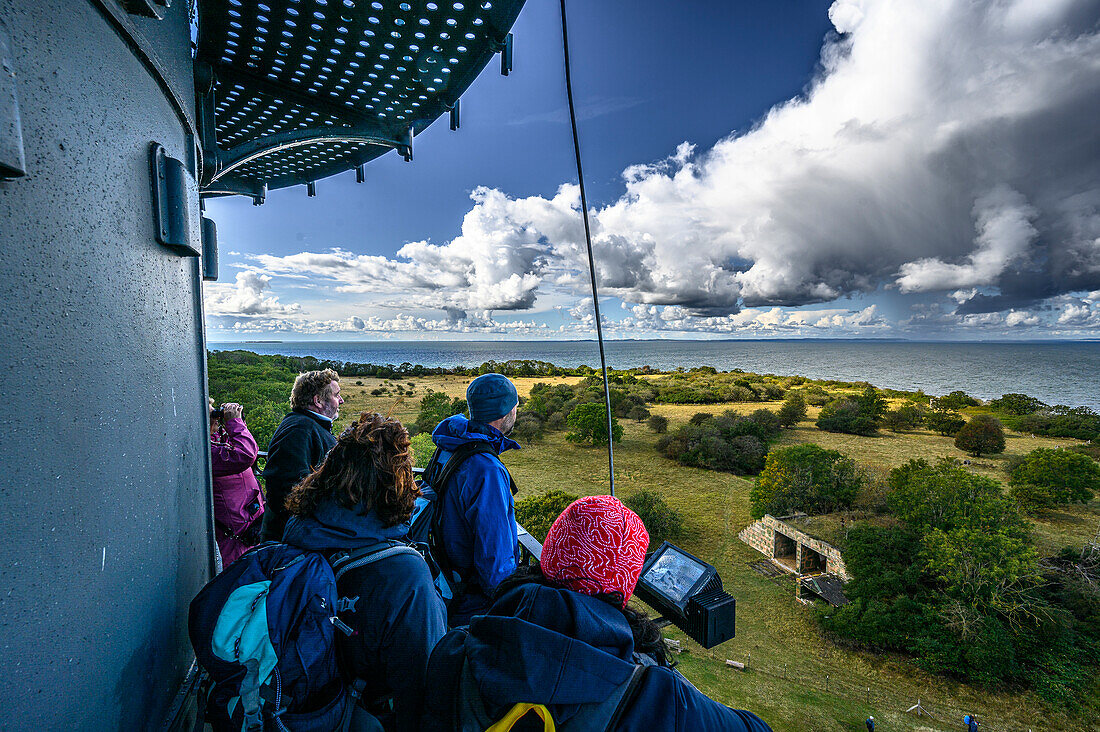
[793, 410]
[435, 407]
[661, 521]
[658, 423]
[422, 449]
[903, 418]
[805, 478]
[954, 401]
[1047, 478]
[871, 404]
[537, 513]
[945, 422]
[1017, 404]
[588, 423]
[981, 435]
[638, 413]
[845, 415]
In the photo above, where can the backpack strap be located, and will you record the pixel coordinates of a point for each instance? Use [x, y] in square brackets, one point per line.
[344, 562]
[517, 712]
[631, 691]
[438, 477]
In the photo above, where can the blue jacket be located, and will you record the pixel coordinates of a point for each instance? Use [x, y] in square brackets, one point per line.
[297, 448]
[478, 512]
[399, 616]
[556, 647]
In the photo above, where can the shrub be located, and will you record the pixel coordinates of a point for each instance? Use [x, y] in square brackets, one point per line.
[955, 400]
[946, 423]
[793, 410]
[903, 418]
[1080, 423]
[358, 383]
[422, 449]
[658, 423]
[699, 417]
[556, 422]
[661, 521]
[638, 413]
[434, 408]
[588, 424]
[1017, 404]
[528, 428]
[805, 478]
[537, 513]
[1047, 478]
[982, 435]
[845, 415]
[817, 397]
[377, 392]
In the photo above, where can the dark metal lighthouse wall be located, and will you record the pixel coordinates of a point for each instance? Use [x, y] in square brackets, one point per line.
[104, 465]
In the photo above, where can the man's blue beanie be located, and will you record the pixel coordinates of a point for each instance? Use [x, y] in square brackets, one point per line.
[490, 397]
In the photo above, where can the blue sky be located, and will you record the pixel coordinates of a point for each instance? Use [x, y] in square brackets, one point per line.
[863, 168]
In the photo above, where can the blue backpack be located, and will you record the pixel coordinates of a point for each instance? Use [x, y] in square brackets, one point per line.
[264, 632]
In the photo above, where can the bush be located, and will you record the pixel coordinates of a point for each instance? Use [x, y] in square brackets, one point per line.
[422, 449]
[528, 428]
[793, 410]
[903, 418]
[658, 423]
[556, 422]
[845, 415]
[700, 417]
[731, 443]
[816, 396]
[955, 400]
[377, 392]
[434, 408]
[946, 423]
[588, 424]
[982, 435]
[805, 478]
[537, 513]
[661, 521]
[638, 413]
[1017, 404]
[1047, 478]
[1080, 423]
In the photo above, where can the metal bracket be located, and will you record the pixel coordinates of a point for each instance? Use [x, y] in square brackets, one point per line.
[209, 250]
[13, 164]
[506, 56]
[147, 8]
[456, 113]
[175, 203]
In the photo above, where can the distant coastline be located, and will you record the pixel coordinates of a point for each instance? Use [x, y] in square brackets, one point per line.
[1057, 372]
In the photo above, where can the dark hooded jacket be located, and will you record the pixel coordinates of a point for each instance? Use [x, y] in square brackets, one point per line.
[297, 448]
[478, 512]
[398, 616]
[556, 647]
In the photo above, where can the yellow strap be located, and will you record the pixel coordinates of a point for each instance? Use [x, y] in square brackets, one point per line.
[517, 712]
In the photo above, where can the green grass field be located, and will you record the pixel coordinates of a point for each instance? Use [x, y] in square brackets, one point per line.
[789, 658]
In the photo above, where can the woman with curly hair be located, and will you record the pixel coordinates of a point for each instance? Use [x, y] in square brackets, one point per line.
[363, 495]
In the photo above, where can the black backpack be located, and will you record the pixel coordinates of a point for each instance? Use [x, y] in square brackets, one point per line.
[427, 523]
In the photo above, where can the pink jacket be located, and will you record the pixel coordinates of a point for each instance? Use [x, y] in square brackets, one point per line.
[238, 501]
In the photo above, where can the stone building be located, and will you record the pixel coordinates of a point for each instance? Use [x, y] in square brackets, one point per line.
[817, 565]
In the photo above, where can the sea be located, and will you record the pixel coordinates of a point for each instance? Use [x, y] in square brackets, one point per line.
[1057, 372]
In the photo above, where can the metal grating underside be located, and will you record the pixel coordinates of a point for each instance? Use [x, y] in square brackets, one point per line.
[292, 91]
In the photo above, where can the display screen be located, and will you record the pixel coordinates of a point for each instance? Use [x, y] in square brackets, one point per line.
[673, 574]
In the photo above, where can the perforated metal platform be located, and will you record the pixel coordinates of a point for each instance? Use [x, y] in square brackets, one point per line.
[293, 91]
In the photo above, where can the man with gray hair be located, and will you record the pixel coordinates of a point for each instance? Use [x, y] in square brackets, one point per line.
[300, 443]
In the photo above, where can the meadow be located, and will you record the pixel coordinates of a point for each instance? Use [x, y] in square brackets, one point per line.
[797, 680]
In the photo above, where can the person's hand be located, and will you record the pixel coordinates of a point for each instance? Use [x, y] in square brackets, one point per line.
[232, 410]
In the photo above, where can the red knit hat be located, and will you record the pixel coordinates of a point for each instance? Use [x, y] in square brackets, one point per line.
[596, 546]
